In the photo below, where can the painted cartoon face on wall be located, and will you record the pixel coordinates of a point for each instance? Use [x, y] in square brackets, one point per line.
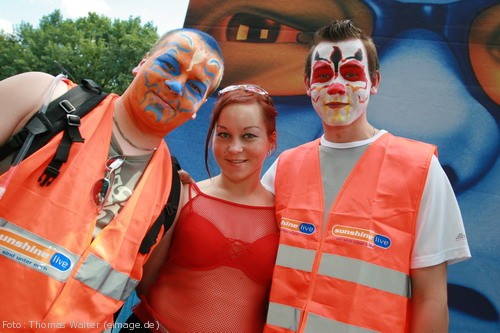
[172, 83]
[340, 85]
[272, 39]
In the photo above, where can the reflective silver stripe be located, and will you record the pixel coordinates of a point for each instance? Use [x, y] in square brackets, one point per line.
[294, 257]
[367, 274]
[283, 316]
[318, 324]
[100, 276]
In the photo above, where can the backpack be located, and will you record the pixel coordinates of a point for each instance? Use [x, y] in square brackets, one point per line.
[64, 114]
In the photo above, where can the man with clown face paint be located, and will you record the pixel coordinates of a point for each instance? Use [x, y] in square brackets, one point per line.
[339, 86]
[369, 221]
[85, 228]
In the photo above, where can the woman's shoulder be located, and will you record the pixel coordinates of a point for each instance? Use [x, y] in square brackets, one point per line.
[204, 184]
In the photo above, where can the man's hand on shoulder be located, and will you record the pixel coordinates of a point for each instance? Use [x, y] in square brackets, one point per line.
[185, 177]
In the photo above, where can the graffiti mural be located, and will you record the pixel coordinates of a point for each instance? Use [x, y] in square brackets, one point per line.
[440, 65]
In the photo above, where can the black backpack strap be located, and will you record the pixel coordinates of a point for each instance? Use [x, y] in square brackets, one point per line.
[76, 101]
[167, 216]
[65, 114]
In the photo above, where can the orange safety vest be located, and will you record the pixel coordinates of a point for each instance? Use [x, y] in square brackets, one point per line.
[54, 277]
[352, 276]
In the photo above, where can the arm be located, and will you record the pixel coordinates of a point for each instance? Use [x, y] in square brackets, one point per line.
[21, 96]
[429, 299]
[438, 225]
[155, 261]
[159, 255]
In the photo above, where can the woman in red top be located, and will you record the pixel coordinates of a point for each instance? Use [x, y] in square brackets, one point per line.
[212, 273]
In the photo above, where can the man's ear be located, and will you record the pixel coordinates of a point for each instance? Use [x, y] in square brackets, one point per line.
[375, 83]
[307, 83]
[138, 67]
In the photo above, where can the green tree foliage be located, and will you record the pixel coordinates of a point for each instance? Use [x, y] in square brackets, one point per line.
[89, 47]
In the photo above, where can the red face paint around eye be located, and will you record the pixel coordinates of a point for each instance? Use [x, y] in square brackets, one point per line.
[352, 71]
[322, 72]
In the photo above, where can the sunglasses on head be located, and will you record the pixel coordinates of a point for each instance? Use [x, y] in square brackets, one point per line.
[246, 87]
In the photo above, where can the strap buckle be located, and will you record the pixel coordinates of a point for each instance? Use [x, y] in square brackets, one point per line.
[67, 106]
[73, 120]
[48, 176]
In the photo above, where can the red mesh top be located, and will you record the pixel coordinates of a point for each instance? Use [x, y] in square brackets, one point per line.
[218, 273]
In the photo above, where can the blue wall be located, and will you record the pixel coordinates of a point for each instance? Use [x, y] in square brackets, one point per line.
[430, 91]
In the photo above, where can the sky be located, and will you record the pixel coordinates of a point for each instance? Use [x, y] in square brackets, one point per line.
[164, 14]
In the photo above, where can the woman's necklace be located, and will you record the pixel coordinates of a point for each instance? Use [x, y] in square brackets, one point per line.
[127, 139]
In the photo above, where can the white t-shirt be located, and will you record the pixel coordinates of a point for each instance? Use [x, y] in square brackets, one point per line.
[440, 233]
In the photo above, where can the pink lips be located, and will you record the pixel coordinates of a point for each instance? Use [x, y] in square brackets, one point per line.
[336, 105]
[236, 161]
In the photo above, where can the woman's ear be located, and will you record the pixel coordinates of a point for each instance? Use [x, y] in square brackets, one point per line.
[273, 140]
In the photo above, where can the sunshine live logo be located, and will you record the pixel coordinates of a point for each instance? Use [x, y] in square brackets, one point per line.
[31, 252]
[297, 226]
[23, 245]
[368, 237]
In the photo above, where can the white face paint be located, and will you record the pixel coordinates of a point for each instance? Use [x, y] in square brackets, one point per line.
[340, 83]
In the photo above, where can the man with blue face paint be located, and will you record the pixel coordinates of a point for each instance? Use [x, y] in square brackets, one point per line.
[369, 221]
[71, 248]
